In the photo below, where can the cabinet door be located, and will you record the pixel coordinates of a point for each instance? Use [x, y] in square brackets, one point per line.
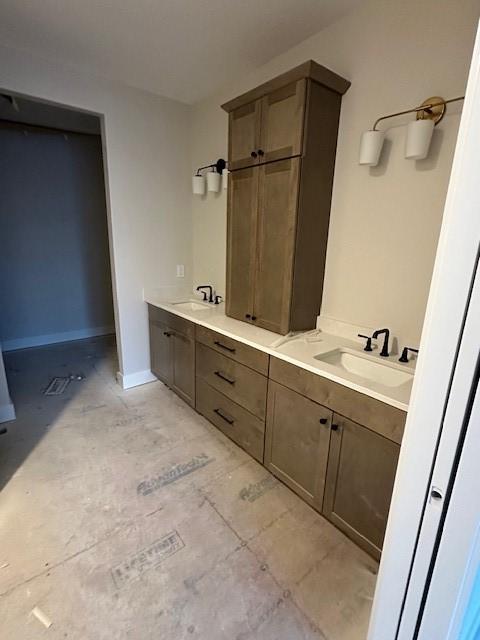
[241, 234]
[244, 135]
[161, 351]
[361, 472]
[283, 114]
[183, 367]
[277, 213]
[297, 442]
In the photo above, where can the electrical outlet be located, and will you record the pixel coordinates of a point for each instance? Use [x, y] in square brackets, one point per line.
[180, 270]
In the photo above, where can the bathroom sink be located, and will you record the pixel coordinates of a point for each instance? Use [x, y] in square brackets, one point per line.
[367, 367]
[191, 305]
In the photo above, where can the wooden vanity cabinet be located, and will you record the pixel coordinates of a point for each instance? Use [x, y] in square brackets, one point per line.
[297, 441]
[172, 352]
[361, 472]
[282, 144]
[346, 469]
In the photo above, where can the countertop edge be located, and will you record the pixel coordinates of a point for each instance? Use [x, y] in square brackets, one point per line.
[166, 306]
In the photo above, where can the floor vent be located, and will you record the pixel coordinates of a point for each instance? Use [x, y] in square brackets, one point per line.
[56, 386]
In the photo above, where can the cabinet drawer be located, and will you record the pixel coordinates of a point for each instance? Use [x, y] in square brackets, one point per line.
[244, 386]
[234, 421]
[173, 322]
[233, 349]
[376, 415]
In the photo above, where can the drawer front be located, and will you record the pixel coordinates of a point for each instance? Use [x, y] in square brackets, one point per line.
[233, 349]
[172, 321]
[244, 386]
[379, 417]
[234, 421]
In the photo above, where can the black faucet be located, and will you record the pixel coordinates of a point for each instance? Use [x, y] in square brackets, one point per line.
[404, 356]
[378, 332]
[210, 289]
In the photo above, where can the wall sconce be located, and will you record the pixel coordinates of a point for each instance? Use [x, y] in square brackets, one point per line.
[419, 132]
[213, 177]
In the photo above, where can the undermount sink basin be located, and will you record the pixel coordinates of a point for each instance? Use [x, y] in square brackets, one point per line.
[191, 305]
[366, 368]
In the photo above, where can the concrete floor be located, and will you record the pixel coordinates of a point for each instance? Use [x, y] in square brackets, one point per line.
[124, 514]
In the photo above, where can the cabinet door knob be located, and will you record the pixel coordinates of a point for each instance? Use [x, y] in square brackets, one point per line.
[167, 334]
[323, 420]
[254, 318]
[261, 152]
[254, 154]
[247, 315]
[334, 427]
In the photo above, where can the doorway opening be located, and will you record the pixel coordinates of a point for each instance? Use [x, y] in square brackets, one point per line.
[55, 266]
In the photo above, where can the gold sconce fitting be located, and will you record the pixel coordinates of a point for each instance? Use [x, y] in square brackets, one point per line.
[433, 109]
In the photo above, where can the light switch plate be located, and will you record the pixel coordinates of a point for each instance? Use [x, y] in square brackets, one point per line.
[180, 271]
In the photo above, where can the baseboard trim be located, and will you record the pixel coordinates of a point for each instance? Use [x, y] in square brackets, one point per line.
[53, 338]
[7, 412]
[135, 379]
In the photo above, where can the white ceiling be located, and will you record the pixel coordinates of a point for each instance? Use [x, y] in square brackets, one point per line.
[183, 49]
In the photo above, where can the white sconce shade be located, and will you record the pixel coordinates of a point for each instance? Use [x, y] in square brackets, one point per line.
[225, 178]
[419, 136]
[198, 185]
[370, 147]
[213, 181]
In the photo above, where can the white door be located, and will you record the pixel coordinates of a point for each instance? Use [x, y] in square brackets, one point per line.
[412, 588]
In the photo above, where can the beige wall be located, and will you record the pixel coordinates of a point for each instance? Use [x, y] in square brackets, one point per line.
[385, 221]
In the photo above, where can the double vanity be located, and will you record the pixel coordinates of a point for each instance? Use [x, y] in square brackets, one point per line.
[320, 413]
[325, 414]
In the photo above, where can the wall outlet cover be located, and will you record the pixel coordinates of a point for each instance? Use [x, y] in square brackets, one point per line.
[180, 271]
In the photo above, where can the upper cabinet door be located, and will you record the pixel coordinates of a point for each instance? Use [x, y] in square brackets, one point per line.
[277, 212]
[241, 242]
[244, 135]
[283, 113]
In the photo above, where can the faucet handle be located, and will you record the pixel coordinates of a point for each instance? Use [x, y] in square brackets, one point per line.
[368, 346]
[217, 299]
[204, 294]
[404, 356]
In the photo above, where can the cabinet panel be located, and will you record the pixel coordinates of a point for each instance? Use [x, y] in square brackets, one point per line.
[234, 421]
[277, 210]
[283, 113]
[360, 477]
[160, 351]
[241, 242]
[297, 442]
[183, 367]
[244, 135]
[243, 385]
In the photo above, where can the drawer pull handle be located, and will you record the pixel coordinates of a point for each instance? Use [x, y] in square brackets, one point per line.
[222, 376]
[167, 333]
[334, 427]
[224, 346]
[323, 420]
[223, 416]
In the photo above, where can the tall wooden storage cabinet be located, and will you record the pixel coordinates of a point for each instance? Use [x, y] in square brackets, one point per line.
[282, 143]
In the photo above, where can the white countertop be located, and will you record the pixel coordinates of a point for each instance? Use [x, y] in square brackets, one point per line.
[297, 349]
